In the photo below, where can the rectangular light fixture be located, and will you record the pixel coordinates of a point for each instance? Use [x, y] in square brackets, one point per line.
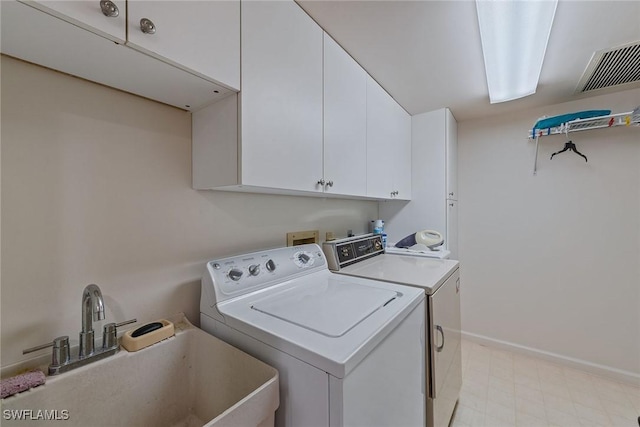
[514, 37]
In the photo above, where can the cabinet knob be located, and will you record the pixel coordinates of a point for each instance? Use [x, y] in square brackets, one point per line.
[329, 183]
[109, 8]
[451, 194]
[147, 26]
[320, 182]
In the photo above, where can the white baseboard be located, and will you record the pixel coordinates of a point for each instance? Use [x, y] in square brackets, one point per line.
[592, 368]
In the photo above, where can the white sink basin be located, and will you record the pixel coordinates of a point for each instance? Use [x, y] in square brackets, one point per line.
[192, 379]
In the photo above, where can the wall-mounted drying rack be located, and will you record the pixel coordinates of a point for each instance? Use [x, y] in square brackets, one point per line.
[600, 121]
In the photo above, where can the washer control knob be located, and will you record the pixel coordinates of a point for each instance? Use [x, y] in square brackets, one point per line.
[235, 274]
[304, 258]
[271, 266]
[254, 269]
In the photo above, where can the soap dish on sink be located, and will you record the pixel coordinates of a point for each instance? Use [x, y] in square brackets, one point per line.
[147, 335]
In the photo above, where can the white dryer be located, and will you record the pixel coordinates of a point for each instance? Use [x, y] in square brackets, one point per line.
[365, 257]
[350, 351]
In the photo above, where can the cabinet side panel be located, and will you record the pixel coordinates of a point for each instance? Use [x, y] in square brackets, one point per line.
[215, 144]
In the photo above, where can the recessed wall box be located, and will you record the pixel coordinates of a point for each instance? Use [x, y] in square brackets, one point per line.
[302, 237]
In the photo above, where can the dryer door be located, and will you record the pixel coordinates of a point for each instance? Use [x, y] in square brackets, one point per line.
[446, 363]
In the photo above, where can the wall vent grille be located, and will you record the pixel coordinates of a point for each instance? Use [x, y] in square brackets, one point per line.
[612, 67]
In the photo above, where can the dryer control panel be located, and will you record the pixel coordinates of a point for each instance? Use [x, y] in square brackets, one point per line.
[344, 252]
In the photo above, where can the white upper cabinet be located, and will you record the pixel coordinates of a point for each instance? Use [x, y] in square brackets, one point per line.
[379, 134]
[281, 98]
[107, 18]
[192, 60]
[388, 146]
[451, 146]
[345, 122]
[198, 36]
[400, 153]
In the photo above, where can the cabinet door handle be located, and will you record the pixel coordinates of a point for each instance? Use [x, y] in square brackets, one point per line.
[109, 9]
[439, 329]
[147, 26]
[329, 183]
[320, 182]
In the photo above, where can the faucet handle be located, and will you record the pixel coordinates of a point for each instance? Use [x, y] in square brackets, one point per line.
[110, 333]
[126, 322]
[60, 354]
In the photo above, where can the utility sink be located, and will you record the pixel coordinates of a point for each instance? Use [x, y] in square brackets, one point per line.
[191, 379]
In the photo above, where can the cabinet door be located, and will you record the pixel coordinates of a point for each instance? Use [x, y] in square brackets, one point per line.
[345, 122]
[199, 36]
[451, 137]
[88, 14]
[281, 97]
[400, 152]
[451, 239]
[380, 132]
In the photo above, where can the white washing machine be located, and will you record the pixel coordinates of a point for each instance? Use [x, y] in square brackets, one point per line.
[364, 257]
[350, 351]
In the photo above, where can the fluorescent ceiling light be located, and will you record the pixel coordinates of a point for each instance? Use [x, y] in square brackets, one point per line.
[514, 37]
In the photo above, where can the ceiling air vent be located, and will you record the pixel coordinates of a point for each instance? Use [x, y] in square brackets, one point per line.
[612, 67]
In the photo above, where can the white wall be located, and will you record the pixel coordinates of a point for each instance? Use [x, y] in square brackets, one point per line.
[96, 188]
[552, 262]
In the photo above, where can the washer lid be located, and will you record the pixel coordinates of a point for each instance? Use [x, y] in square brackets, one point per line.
[331, 309]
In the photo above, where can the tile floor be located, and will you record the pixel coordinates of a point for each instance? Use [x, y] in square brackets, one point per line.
[505, 389]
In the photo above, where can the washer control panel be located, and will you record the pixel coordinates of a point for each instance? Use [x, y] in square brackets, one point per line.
[246, 273]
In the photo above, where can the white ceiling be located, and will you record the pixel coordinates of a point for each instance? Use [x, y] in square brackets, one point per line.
[427, 54]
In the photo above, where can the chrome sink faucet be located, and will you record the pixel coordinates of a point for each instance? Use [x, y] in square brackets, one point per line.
[92, 309]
